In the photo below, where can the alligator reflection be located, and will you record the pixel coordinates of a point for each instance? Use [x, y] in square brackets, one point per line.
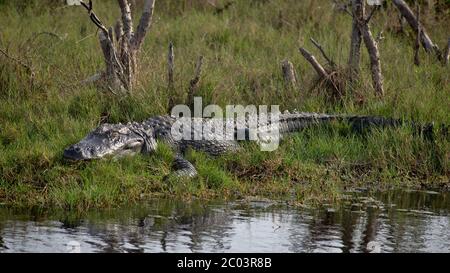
[397, 221]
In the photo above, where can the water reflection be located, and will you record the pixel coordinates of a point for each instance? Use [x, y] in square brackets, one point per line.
[397, 221]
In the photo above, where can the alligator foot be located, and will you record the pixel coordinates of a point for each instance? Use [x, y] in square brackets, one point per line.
[183, 168]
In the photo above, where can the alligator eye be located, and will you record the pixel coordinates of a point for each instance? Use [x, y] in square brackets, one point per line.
[114, 136]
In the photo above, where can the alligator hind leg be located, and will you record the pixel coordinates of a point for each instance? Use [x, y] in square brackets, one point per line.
[183, 168]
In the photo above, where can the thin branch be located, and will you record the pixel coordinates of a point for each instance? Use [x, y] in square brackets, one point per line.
[319, 46]
[94, 17]
[16, 60]
[372, 12]
[86, 37]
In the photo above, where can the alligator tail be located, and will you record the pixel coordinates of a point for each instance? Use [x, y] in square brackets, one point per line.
[360, 124]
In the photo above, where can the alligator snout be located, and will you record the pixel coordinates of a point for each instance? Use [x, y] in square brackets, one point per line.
[74, 153]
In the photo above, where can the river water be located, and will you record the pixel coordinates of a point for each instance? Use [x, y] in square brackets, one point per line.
[398, 221]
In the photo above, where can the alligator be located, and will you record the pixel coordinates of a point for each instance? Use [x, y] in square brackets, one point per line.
[117, 140]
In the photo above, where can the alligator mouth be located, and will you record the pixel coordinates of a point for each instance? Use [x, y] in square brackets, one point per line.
[74, 153]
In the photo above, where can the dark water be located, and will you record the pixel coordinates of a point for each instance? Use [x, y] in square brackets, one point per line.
[395, 221]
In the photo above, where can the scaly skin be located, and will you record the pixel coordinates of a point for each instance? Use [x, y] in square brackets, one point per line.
[128, 139]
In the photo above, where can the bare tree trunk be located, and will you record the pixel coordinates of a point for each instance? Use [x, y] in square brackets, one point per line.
[406, 12]
[170, 84]
[375, 64]
[290, 80]
[371, 45]
[355, 45]
[193, 84]
[126, 19]
[120, 57]
[144, 24]
[114, 74]
[417, 44]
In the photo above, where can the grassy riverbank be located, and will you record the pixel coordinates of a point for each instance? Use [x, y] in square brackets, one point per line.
[243, 47]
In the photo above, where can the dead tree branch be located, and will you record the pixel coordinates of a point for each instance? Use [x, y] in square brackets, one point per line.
[94, 17]
[329, 78]
[319, 46]
[371, 45]
[417, 44]
[144, 24]
[408, 14]
[193, 84]
[315, 64]
[170, 79]
[374, 55]
[120, 52]
[375, 64]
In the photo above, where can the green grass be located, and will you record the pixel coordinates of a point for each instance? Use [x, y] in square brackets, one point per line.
[243, 48]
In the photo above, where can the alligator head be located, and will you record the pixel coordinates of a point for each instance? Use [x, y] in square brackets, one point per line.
[113, 140]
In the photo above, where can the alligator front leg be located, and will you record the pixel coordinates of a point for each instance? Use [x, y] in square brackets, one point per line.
[183, 168]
